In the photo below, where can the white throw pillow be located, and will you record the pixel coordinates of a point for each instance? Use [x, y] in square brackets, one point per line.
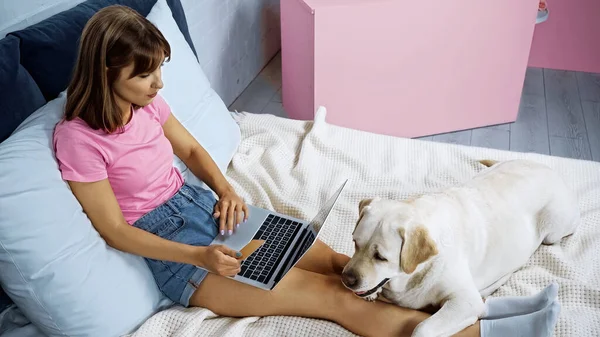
[54, 264]
[192, 99]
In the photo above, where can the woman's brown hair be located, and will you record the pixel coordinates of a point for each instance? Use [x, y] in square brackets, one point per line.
[115, 37]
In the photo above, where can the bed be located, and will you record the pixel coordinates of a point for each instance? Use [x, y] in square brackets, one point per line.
[276, 167]
[65, 281]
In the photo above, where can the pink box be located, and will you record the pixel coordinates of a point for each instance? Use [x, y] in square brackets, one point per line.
[406, 68]
[570, 38]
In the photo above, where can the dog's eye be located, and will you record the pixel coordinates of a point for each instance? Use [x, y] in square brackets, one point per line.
[379, 257]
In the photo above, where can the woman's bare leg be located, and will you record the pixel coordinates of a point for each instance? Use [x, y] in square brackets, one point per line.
[322, 259]
[307, 294]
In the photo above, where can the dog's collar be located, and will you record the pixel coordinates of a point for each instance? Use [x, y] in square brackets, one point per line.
[367, 293]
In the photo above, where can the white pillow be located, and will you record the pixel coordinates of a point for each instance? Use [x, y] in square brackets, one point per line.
[191, 98]
[53, 263]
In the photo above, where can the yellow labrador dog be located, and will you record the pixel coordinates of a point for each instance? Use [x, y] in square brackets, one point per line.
[450, 249]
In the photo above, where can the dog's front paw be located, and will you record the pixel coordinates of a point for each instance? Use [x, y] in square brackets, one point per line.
[373, 296]
[422, 330]
[427, 330]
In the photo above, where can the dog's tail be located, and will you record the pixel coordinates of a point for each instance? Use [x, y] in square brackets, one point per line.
[488, 162]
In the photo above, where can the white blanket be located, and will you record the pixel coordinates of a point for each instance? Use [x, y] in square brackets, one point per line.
[293, 166]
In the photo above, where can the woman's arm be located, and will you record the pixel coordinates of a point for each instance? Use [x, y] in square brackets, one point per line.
[203, 166]
[101, 206]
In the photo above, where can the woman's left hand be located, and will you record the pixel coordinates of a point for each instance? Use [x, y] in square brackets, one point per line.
[230, 210]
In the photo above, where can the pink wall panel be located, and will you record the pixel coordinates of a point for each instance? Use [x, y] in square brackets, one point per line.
[570, 38]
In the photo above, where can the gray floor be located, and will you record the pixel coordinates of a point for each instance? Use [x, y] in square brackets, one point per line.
[559, 113]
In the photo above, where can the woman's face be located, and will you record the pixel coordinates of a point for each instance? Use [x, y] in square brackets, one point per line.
[139, 90]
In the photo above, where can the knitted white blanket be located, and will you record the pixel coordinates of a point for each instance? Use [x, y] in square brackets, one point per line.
[293, 166]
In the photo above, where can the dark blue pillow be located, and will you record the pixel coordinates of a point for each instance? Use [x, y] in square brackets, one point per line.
[179, 16]
[19, 94]
[49, 48]
[5, 301]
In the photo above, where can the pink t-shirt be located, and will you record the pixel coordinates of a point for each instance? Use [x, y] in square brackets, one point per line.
[138, 162]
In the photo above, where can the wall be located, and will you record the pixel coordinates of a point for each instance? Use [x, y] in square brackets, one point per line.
[234, 39]
[18, 14]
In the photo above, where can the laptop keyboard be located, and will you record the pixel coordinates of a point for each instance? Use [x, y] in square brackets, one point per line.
[277, 233]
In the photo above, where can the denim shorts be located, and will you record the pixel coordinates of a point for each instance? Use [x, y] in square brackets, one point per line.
[187, 217]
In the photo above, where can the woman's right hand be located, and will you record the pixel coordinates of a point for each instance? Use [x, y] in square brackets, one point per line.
[220, 260]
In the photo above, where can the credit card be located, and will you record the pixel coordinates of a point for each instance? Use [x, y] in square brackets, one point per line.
[250, 248]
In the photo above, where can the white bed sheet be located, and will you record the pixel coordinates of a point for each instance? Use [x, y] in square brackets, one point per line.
[292, 166]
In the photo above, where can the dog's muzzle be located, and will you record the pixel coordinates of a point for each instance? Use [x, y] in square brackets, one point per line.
[369, 292]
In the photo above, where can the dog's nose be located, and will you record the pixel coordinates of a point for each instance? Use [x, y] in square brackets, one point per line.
[349, 279]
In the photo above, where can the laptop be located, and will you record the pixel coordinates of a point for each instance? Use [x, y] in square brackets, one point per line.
[286, 240]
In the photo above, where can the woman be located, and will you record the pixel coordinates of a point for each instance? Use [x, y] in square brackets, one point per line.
[115, 148]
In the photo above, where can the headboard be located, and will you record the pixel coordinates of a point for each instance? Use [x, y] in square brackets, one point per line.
[40, 58]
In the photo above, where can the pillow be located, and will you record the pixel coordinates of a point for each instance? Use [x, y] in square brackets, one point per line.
[14, 324]
[179, 16]
[49, 48]
[5, 301]
[192, 99]
[19, 94]
[55, 266]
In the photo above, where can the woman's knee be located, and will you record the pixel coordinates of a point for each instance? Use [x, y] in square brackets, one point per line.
[336, 295]
[227, 297]
[323, 296]
[339, 262]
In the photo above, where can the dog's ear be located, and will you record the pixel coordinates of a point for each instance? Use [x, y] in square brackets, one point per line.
[364, 203]
[361, 205]
[417, 247]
